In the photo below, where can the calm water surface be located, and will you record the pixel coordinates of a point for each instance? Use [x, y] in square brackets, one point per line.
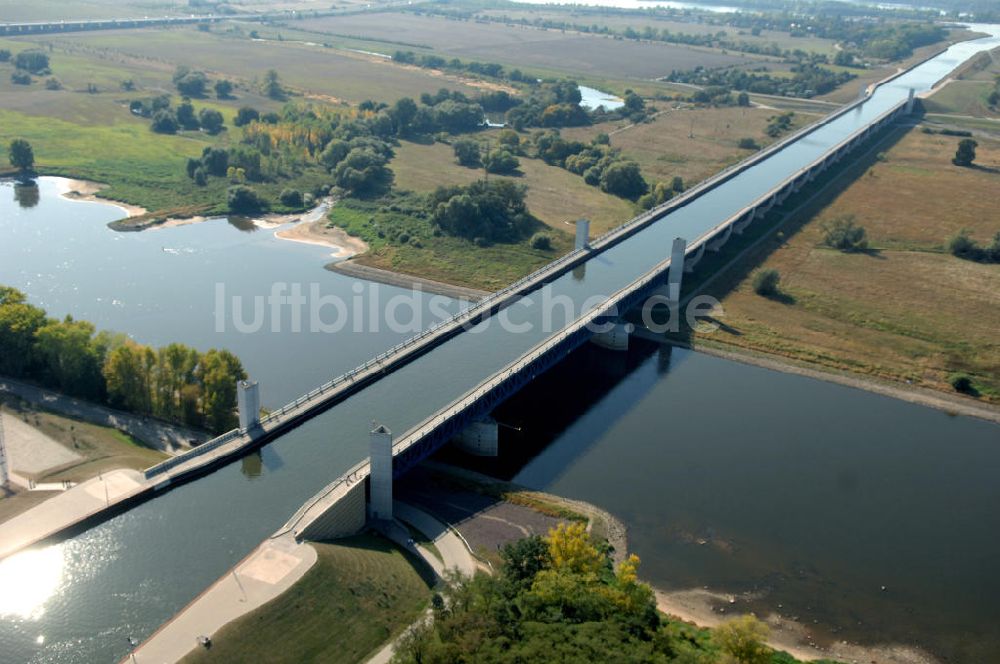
[788, 491]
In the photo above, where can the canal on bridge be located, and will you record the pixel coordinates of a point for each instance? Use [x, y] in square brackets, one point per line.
[128, 575]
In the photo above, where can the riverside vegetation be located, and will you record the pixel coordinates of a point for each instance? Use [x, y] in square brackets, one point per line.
[174, 382]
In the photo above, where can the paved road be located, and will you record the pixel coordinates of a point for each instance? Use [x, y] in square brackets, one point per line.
[163, 436]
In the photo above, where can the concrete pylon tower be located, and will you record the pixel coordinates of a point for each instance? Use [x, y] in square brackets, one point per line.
[582, 233]
[4, 470]
[675, 274]
[248, 403]
[910, 101]
[380, 478]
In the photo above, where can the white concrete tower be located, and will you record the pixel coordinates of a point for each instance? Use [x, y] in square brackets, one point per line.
[675, 274]
[582, 233]
[380, 479]
[248, 403]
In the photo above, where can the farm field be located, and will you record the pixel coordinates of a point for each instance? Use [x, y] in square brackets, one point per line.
[906, 310]
[333, 75]
[576, 54]
[618, 20]
[664, 148]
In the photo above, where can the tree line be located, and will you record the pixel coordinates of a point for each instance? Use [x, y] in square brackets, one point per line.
[561, 599]
[807, 80]
[175, 382]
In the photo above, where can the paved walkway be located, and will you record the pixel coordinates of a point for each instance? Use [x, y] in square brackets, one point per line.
[159, 435]
[69, 507]
[263, 575]
[30, 450]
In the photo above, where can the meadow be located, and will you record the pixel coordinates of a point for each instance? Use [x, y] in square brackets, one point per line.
[905, 310]
[312, 70]
[361, 592]
[693, 143]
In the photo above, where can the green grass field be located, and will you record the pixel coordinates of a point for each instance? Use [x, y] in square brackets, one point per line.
[361, 592]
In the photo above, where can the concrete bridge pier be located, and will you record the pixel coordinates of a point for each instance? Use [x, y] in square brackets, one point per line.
[615, 338]
[380, 480]
[582, 234]
[720, 240]
[740, 224]
[480, 438]
[248, 403]
[691, 261]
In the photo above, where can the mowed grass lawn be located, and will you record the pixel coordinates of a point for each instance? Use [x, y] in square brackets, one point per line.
[361, 592]
[665, 148]
[907, 311]
[557, 197]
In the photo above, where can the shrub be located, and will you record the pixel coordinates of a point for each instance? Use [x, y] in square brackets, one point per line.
[748, 144]
[291, 198]
[467, 152]
[20, 78]
[962, 383]
[765, 282]
[541, 241]
[164, 122]
[843, 234]
[501, 162]
[963, 246]
[245, 116]
[242, 199]
[966, 152]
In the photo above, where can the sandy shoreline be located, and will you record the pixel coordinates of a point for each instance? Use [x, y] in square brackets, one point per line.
[699, 606]
[85, 190]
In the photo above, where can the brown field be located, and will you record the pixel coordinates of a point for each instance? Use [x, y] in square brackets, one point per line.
[556, 196]
[335, 75]
[588, 55]
[663, 148]
[906, 311]
[584, 16]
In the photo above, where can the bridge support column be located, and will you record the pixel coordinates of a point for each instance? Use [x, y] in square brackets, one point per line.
[582, 233]
[614, 339]
[248, 403]
[691, 261]
[675, 273]
[910, 102]
[380, 479]
[720, 240]
[480, 438]
[740, 224]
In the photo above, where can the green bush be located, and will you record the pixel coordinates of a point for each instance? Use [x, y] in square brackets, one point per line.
[765, 282]
[843, 234]
[748, 144]
[541, 241]
[243, 200]
[962, 383]
[291, 198]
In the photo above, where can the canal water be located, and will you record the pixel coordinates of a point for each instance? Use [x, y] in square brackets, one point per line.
[797, 496]
[78, 601]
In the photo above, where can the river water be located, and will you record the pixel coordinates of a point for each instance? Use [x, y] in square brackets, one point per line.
[78, 601]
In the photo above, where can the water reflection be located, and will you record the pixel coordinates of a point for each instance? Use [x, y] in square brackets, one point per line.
[28, 579]
[26, 194]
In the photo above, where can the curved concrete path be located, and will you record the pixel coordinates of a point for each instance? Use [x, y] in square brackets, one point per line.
[270, 570]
